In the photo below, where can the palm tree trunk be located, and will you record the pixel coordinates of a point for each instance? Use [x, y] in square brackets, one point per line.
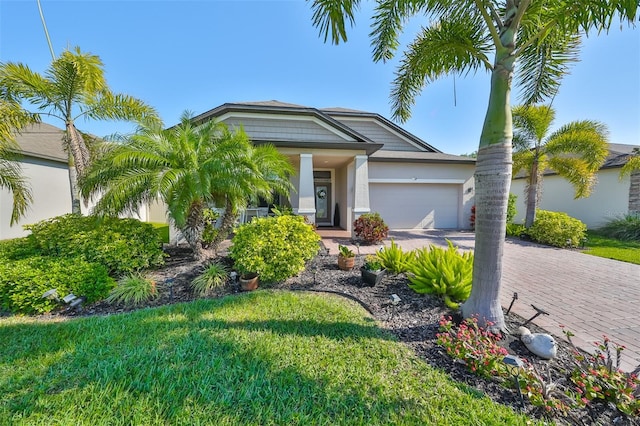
[492, 181]
[73, 186]
[192, 230]
[532, 194]
[78, 161]
[229, 218]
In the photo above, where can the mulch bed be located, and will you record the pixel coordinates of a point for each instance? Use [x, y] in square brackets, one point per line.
[414, 321]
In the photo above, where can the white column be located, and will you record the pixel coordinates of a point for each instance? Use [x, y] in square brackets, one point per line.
[361, 187]
[306, 194]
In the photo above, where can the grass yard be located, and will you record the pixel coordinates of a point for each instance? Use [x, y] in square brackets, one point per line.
[257, 359]
[625, 251]
[163, 231]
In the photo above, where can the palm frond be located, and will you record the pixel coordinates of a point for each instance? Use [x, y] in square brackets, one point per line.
[389, 18]
[586, 140]
[11, 179]
[532, 123]
[454, 46]
[577, 172]
[522, 160]
[330, 17]
[543, 64]
[111, 106]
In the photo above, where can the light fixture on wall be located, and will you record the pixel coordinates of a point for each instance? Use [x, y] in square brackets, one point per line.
[469, 190]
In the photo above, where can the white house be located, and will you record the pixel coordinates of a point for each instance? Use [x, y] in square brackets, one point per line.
[611, 197]
[44, 163]
[352, 162]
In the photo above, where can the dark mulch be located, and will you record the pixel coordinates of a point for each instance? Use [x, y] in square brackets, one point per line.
[414, 321]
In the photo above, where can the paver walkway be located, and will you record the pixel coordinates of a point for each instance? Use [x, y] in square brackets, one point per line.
[591, 296]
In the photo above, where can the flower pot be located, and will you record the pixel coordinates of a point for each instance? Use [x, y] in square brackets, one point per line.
[372, 278]
[346, 263]
[248, 282]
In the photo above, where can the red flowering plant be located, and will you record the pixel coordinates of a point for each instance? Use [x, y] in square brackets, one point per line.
[550, 396]
[598, 378]
[475, 346]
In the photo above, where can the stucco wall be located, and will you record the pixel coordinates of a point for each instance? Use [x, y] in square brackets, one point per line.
[405, 175]
[609, 199]
[49, 183]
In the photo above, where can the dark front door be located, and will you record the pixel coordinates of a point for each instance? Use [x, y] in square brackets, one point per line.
[322, 186]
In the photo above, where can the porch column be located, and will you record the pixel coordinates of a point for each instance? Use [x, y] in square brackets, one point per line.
[306, 194]
[360, 187]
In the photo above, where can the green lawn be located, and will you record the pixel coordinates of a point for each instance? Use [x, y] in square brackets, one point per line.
[256, 359]
[625, 251]
[163, 230]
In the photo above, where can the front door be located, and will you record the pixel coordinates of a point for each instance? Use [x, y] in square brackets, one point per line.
[322, 186]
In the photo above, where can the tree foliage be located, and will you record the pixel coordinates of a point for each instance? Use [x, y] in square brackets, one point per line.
[72, 87]
[461, 37]
[575, 151]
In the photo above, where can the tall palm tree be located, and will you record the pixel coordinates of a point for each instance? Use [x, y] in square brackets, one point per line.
[460, 37]
[13, 119]
[73, 87]
[576, 152]
[189, 167]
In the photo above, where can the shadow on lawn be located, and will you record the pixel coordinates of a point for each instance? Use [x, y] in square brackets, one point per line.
[141, 369]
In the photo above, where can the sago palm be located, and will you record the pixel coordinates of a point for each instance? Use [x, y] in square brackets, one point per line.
[189, 167]
[460, 37]
[73, 87]
[576, 151]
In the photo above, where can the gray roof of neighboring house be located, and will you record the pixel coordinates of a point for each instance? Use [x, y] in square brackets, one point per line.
[618, 156]
[42, 141]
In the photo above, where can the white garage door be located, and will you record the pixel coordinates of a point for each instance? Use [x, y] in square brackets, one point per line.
[416, 206]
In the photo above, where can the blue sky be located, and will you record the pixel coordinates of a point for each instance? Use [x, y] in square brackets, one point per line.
[196, 55]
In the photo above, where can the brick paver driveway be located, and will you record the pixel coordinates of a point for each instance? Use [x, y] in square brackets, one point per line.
[589, 295]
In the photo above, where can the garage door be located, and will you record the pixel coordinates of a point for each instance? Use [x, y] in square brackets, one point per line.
[416, 206]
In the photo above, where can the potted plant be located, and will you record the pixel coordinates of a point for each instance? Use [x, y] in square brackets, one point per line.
[248, 281]
[346, 258]
[372, 270]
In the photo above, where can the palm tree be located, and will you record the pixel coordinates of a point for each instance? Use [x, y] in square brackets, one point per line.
[576, 152]
[461, 37]
[13, 119]
[73, 87]
[189, 167]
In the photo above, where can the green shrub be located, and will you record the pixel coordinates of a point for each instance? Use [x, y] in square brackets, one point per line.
[370, 228]
[557, 229]
[515, 229]
[24, 281]
[274, 247]
[17, 248]
[121, 245]
[214, 276]
[394, 259]
[625, 228]
[511, 208]
[209, 232]
[133, 290]
[443, 272]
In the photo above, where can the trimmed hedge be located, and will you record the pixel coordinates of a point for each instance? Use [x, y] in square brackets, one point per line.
[557, 229]
[122, 245]
[24, 281]
[276, 248]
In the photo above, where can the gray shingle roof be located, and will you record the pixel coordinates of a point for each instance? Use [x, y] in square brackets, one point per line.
[42, 141]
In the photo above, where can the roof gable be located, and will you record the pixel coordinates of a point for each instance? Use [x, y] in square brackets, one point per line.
[284, 123]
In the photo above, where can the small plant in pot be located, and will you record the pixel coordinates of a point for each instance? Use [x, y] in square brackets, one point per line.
[372, 271]
[346, 258]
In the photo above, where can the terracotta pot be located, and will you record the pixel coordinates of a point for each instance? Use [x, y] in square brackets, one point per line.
[372, 278]
[346, 263]
[248, 282]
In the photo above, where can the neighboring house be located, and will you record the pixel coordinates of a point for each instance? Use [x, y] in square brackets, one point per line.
[44, 163]
[611, 196]
[353, 162]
